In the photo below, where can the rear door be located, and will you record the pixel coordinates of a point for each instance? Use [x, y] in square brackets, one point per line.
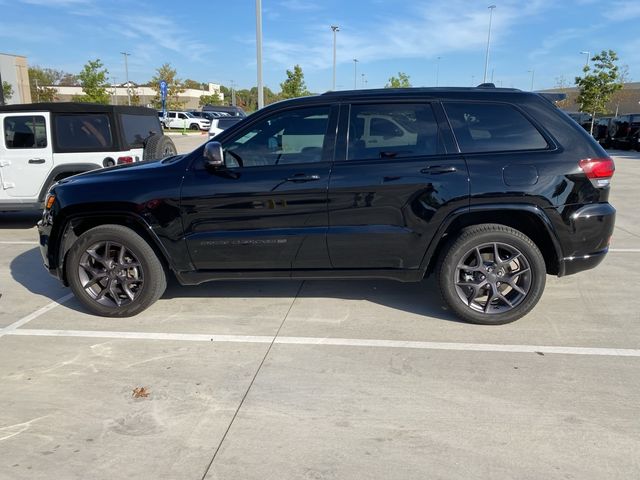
[25, 153]
[388, 197]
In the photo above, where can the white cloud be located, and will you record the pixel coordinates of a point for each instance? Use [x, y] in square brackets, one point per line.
[623, 10]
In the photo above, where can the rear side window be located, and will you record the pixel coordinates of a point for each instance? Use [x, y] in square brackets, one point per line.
[487, 127]
[22, 132]
[138, 127]
[392, 131]
[83, 132]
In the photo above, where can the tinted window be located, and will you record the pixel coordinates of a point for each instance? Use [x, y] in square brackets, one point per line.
[225, 123]
[392, 131]
[295, 136]
[83, 132]
[25, 132]
[138, 127]
[482, 127]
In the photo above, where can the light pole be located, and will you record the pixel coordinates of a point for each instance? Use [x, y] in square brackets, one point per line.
[588, 54]
[486, 57]
[233, 93]
[532, 72]
[126, 75]
[355, 73]
[259, 52]
[363, 80]
[438, 70]
[335, 29]
[115, 90]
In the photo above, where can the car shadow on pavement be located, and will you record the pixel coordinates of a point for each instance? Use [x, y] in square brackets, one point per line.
[417, 298]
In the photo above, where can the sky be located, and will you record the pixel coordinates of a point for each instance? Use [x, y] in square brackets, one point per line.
[215, 40]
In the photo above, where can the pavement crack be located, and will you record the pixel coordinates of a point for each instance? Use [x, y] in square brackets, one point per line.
[255, 375]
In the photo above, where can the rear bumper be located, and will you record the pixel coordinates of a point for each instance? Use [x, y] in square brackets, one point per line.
[589, 231]
[573, 265]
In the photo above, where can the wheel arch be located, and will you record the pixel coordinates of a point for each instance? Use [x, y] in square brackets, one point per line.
[76, 225]
[528, 219]
[65, 171]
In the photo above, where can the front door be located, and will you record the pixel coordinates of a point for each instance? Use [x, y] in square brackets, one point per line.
[26, 156]
[388, 197]
[267, 208]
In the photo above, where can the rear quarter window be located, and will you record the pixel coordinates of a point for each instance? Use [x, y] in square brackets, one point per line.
[137, 128]
[489, 127]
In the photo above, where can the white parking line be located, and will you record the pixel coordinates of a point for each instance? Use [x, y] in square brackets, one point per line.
[32, 316]
[344, 342]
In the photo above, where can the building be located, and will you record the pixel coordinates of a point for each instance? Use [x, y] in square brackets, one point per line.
[142, 95]
[14, 70]
[624, 101]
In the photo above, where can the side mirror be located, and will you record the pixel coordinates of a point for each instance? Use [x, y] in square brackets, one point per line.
[213, 156]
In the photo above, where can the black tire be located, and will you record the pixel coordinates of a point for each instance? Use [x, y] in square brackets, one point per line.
[158, 146]
[519, 275]
[194, 126]
[143, 276]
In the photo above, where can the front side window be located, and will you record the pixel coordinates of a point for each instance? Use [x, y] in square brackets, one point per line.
[392, 131]
[25, 131]
[294, 136]
[83, 132]
[492, 127]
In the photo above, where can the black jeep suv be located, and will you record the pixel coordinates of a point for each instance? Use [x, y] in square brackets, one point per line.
[489, 189]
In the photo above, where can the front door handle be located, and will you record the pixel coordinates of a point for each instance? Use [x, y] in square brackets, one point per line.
[438, 169]
[301, 178]
[37, 160]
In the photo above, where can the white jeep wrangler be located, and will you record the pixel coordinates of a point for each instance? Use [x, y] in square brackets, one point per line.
[46, 142]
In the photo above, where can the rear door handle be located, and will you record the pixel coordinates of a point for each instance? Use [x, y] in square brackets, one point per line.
[37, 160]
[438, 169]
[301, 178]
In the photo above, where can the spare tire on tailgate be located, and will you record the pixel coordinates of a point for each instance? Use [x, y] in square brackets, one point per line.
[158, 146]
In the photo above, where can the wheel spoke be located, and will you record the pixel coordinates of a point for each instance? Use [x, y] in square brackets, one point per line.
[496, 254]
[114, 295]
[104, 290]
[479, 260]
[94, 280]
[121, 255]
[505, 300]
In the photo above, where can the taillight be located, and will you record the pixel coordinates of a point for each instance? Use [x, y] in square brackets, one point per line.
[598, 170]
[122, 160]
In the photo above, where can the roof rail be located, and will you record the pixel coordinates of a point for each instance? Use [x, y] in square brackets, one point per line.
[487, 85]
[553, 97]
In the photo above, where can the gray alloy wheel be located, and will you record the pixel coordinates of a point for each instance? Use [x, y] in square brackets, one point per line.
[114, 272]
[110, 274]
[491, 274]
[493, 278]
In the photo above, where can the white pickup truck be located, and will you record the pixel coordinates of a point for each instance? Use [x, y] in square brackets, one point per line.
[45, 142]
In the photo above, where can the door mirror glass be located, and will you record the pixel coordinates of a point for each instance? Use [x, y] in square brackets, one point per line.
[213, 156]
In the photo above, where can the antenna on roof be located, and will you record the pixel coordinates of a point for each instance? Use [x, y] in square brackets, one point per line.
[487, 85]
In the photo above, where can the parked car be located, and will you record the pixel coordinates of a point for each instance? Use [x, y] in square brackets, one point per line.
[183, 120]
[230, 110]
[42, 143]
[490, 190]
[601, 130]
[206, 115]
[582, 119]
[220, 124]
[624, 132]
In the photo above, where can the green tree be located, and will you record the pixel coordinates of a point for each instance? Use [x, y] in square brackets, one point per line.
[212, 99]
[188, 83]
[294, 85]
[401, 81]
[598, 84]
[93, 79]
[174, 87]
[41, 81]
[7, 91]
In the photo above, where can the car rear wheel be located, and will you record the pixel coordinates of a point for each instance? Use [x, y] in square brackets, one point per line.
[114, 272]
[491, 274]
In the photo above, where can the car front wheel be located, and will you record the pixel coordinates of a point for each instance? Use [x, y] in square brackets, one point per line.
[491, 274]
[114, 272]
